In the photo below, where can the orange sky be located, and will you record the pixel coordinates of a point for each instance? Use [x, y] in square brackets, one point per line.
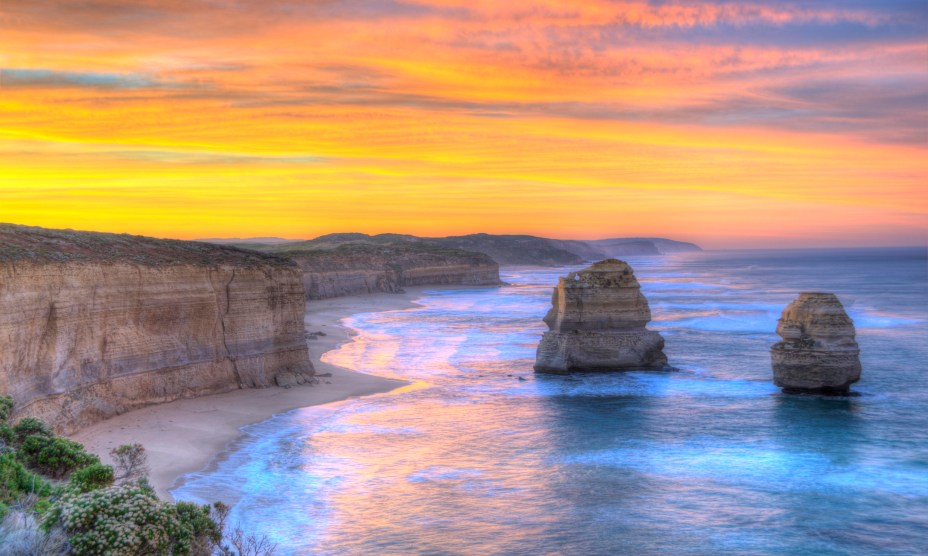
[731, 124]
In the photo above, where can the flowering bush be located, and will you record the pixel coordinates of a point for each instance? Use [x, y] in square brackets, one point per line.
[128, 520]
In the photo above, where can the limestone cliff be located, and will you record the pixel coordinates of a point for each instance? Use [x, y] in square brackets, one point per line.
[359, 268]
[92, 325]
[818, 353]
[598, 322]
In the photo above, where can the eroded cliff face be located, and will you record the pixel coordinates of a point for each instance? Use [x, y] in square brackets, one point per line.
[818, 353]
[357, 269]
[93, 336]
[598, 322]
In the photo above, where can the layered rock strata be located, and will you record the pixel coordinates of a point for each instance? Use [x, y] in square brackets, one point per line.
[598, 322]
[92, 325]
[361, 269]
[818, 353]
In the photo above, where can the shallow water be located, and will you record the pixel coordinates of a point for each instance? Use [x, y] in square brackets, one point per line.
[711, 459]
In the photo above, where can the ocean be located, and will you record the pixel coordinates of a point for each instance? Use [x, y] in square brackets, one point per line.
[481, 456]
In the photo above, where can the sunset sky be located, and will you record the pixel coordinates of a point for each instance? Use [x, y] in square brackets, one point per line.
[727, 123]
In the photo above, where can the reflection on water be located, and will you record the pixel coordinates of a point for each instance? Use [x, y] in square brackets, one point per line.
[711, 459]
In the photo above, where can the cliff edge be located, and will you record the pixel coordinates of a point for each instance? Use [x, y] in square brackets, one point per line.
[336, 265]
[93, 325]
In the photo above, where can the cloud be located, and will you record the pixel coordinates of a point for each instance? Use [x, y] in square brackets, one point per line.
[366, 10]
[721, 63]
[891, 109]
[45, 78]
[191, 157]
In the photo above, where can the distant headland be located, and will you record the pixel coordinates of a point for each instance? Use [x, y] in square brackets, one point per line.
[506, 250]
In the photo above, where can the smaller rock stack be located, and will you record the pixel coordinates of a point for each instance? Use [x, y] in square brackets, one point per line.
[818, 353]
[597, 323]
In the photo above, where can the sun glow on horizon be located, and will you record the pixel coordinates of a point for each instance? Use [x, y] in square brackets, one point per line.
[730, 124]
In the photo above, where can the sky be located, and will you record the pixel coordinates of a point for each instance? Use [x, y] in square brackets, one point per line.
[731, 124]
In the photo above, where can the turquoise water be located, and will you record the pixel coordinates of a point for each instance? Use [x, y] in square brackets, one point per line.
[708, 460]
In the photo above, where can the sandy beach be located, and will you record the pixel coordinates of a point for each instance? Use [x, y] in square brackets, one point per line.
[185, 435]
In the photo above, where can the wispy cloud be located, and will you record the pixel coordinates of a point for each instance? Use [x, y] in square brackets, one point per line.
[44, 78]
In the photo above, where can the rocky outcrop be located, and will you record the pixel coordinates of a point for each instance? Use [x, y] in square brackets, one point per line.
[351, 269]
[818, 353]
[598, 322]
[92, 325]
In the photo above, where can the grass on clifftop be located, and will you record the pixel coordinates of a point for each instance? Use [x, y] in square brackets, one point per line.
[42, 245]
[344, 251]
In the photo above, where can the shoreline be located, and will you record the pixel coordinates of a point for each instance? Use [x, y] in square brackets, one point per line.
[188, 435]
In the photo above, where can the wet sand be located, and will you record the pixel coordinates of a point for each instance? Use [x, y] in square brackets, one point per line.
[186, 435]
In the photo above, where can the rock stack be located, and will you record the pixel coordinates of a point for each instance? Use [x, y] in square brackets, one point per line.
[597, 323]
[818, 353]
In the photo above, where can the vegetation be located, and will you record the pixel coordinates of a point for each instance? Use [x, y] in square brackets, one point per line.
[41, 245]
[7, 436]
[126, 519]
[31, 426]
[395, 248]
[55, 456]
[22, 534]
[6, 407]
[130, 463]
[92, 477]
[99, 509]
[17, 482]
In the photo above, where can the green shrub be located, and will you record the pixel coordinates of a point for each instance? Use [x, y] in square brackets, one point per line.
[6, 407]
[126, 519]
[16, 481]
[205, 532]
[55, 456]
[41, 506]
[7, 436]
[92, 477]
[30, 426]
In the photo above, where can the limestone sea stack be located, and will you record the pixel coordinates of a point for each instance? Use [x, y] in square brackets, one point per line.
[598, 322]
[818, 353]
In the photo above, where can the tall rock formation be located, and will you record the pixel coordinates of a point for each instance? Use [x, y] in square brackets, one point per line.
[818, 353]
[93, 325]
[598, 322]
